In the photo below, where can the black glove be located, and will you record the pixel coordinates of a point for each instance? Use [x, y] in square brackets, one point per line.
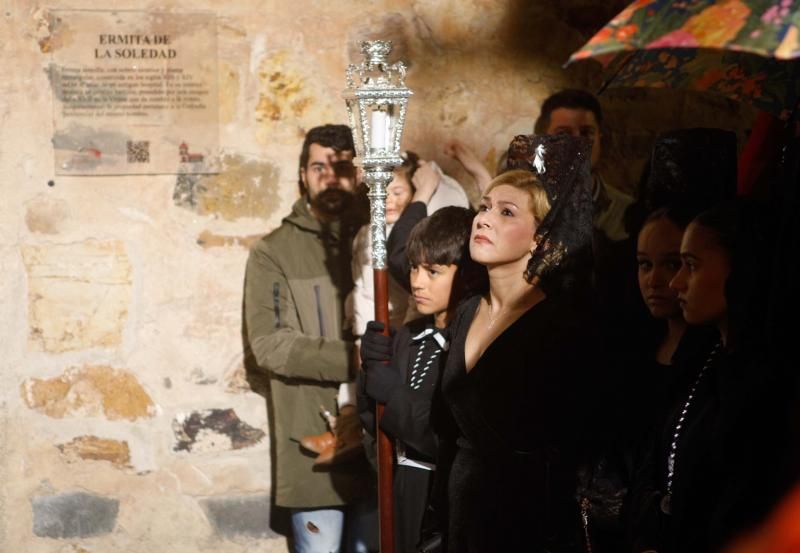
[382, 380]
[374, 345]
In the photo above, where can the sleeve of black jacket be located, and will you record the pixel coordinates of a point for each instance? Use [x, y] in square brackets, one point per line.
[397, 261]
[366, 404]
[407, 415]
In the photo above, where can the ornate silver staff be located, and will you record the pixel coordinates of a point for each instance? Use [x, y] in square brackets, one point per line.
[376, 99]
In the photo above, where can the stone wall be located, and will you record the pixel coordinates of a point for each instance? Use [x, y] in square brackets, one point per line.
[127, 422]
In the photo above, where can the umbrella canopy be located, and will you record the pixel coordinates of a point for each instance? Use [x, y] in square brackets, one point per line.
[745, 49]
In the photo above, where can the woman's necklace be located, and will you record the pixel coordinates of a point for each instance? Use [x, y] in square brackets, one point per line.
[493, 318]
[519, 306]
[666, 501]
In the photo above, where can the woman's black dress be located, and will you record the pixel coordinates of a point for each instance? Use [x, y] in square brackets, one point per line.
[518, 417]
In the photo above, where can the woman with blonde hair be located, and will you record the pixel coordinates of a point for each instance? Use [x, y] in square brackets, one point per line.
[514, 379]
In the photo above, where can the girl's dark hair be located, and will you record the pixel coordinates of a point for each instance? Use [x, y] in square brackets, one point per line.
[723, 221]
[743, 230]
[679, 215]
[443, 239]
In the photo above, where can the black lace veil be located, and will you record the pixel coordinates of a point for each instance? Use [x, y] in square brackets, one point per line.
[562, 259]
[690, 170]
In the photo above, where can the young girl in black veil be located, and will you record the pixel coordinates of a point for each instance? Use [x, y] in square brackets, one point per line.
[647, 342]
[723, 458]
[519, 358]
[665, 342]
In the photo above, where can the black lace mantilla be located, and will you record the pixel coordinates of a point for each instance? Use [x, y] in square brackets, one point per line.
[563, 164]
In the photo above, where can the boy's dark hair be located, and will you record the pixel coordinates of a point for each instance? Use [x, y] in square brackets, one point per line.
[338, 137]
[440, 238]
[570, 98]
[443, 239]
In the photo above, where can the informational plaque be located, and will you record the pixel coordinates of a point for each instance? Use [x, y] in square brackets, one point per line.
[135, 92]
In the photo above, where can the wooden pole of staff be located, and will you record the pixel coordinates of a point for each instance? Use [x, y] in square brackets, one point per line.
[385, 453]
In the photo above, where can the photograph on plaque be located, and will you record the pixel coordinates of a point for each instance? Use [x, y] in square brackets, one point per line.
[135, 92]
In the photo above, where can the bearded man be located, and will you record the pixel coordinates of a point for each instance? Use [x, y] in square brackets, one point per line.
[296, 281]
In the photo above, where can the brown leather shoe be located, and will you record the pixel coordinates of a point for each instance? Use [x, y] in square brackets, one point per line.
[347, 443]
[319, 443]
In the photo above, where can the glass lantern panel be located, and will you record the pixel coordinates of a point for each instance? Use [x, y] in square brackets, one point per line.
[355, 126]
[382, 119]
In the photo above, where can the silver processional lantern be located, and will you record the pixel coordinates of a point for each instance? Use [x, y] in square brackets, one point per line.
[376, 99]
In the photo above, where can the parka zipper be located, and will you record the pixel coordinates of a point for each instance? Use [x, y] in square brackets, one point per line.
[318, 296]
[276, 303]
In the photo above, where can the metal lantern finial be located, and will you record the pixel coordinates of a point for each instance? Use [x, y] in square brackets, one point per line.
[376, 51]
[377, 98]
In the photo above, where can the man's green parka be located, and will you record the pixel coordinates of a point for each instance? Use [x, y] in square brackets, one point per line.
[297, 279]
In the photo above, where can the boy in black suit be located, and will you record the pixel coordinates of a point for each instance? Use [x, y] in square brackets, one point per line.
[402, 371]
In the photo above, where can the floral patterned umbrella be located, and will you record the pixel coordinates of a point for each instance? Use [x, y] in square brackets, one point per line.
[748, 50]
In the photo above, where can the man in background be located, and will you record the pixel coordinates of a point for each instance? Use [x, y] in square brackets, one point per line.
[296, 281]
[578, 113]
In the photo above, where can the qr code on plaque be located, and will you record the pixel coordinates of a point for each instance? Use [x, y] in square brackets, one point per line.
[138, 151]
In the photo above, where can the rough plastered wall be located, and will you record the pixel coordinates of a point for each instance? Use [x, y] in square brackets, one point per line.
[127, 420]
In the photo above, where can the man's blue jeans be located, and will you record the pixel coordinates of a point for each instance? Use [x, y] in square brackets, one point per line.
[320, 530]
